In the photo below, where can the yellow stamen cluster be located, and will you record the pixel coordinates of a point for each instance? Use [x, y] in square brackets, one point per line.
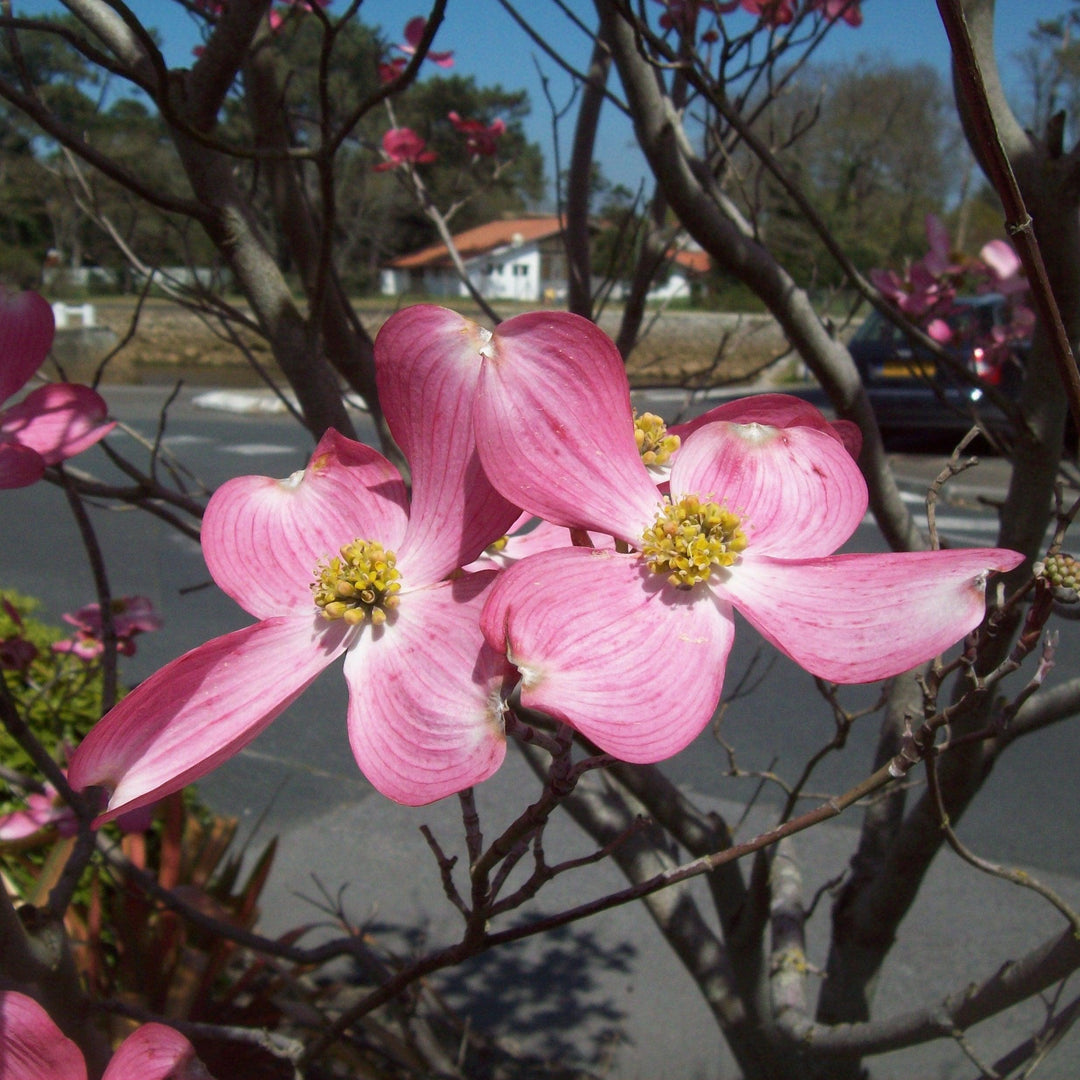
[689, 538]
[360, 583]
[654, 444]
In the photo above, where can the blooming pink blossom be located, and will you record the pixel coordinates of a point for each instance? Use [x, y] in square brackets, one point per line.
[403, 146]
[630, 648]
[51, 423]
[414, 31]
[480, 138]
[47, 808]
[131, 616]
[928, 290]
[42, 810]
[848, 10]
[32, 1047]
[771, 12]
[333, 562]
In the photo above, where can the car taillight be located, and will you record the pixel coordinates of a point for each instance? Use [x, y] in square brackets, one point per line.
[985, 368]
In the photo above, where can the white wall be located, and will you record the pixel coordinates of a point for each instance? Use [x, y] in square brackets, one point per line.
[511, 273]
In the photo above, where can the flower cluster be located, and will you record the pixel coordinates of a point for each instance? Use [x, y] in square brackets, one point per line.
[481, 139]
[927, 290]
[53, 422]
[682, 15]
[615, 615]
[390, 69]
[131, 616]
[402, 146]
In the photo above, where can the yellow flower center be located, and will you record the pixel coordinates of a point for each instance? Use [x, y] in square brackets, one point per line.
[654, 444]
[689, 538]
[360, 583]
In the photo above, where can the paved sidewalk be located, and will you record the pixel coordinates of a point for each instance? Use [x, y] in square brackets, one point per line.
[606, 993]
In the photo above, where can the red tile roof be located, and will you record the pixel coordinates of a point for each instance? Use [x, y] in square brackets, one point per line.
[481, 240]
[697, 262]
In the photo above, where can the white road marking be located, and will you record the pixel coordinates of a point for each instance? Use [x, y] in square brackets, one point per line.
[255, 449]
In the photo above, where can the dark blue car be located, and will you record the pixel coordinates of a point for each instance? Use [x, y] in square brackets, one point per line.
[912, 394]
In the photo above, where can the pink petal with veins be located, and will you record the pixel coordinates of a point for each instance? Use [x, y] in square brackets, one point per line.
[32, 1047]
[608, 646]
[26, 335]
[778, 410]
[554, 426]
[859, 618]
[797, 489]
[155, 1052]
[59, 421]
[425, 712]
[202, 708]
[263, 538]
[427, 364]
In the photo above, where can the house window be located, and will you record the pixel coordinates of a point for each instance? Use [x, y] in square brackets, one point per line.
[521, 270]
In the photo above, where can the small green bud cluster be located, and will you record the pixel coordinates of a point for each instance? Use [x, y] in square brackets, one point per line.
[1062, 571]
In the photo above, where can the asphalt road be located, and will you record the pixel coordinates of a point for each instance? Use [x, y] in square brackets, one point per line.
[617, 986]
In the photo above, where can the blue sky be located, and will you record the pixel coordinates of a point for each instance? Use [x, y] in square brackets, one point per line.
[489, 45]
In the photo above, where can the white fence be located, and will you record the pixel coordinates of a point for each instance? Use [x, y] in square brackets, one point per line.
[64, 313]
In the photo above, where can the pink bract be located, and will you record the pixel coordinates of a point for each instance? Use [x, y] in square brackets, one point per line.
[51, 423]
[403, 146]
[42, 810]
[480, 138]
[848, 10]
[414, 31]
[32, 1047]
[131, 616]
[425, 712]
[632, 660]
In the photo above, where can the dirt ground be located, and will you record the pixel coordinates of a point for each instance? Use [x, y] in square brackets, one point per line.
[677, 348]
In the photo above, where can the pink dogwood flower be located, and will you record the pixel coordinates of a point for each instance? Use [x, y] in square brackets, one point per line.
[414, 31]
[334, 562]
[770, 12]
[131, 616]
[481, 139]
[42, 810]
[51, 423]
[848, 10]
[32, 1047]
[629, 646]
[403, 146]
[928, 290]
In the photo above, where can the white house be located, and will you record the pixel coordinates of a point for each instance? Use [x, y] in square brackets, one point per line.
[517, 259]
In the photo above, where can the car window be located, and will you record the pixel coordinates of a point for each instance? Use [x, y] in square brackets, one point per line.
[877, 330]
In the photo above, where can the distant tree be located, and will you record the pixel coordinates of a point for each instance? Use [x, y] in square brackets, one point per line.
[1051, 65]
[879, 151]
